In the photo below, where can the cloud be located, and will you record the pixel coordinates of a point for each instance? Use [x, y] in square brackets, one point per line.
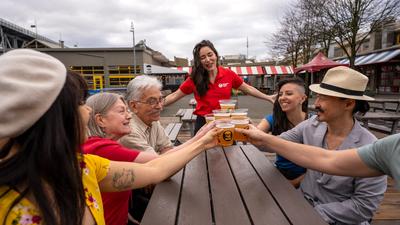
[171, 27]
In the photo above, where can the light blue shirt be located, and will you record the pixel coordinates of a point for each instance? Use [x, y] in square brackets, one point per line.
[338, 199]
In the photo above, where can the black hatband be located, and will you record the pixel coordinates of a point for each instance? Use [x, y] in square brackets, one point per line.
[341, 90]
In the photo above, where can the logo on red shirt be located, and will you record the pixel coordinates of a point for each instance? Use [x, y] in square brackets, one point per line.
[222, 85]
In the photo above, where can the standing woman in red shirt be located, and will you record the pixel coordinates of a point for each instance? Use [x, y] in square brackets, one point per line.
[210, 83]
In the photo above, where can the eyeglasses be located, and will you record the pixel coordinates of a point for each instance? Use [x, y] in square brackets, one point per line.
[153, 101]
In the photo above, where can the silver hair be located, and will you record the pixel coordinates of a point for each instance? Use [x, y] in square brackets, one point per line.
[100, 104]
[137, 87]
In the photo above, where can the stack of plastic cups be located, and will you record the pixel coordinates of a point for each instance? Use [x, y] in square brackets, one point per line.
[227, 104]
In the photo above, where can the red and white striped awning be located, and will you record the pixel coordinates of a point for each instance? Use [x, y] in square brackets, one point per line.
[186, 69]
[278, 70]
[247, 70]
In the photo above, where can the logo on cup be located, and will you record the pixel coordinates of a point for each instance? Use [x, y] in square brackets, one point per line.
[227, 135]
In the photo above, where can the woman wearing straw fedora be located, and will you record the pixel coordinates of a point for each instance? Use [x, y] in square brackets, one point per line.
[338, 199]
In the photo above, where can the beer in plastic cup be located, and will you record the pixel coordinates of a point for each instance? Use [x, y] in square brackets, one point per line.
[209, 117]
[221, 114]
[225, 138]
[244, 124]
[227, 104]
[239, 114]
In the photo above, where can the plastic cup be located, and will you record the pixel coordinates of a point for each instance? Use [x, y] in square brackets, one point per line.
[221, 114]
[225, 138]
[209, 117]
[239, 114]
[227, 104]
[244, 124]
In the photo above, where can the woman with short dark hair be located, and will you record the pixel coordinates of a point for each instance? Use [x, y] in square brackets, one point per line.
[289, 110]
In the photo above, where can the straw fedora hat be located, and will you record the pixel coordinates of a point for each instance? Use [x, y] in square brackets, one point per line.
[343, 82]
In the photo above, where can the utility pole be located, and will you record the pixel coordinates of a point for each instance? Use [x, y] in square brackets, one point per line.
[247, 46]
[134, 48]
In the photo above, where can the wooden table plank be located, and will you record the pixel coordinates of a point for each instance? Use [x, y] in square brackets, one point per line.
[262, 208]
[188, 115]
[195, 208]
[241, 187]
[384, 101]
[189, 118]
[394, 118]
[163, 205]
[180, 113]
[173, 134]
[227, 203]
[292, 203]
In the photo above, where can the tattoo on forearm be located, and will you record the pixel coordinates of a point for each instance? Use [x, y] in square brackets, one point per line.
[123, 180]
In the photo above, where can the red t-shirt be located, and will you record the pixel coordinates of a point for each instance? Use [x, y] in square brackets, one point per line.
[225, 80]
[115, 203]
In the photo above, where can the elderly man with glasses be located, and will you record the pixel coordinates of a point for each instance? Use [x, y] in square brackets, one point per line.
[146, 102]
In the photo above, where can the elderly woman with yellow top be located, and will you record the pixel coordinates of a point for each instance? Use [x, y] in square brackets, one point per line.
[44, 177]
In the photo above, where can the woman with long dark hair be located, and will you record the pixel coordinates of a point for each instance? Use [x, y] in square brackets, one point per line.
[210, 82]
[289, 110]
[44, 177]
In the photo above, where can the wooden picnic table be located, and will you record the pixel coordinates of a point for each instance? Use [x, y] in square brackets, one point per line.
[384, 101]
[229, 186]
[172, 131]
[373, 116]
[190, 119]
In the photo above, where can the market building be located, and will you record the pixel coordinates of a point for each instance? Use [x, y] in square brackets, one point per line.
[378, 58]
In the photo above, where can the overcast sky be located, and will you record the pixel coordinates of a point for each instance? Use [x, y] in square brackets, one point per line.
[171, 27]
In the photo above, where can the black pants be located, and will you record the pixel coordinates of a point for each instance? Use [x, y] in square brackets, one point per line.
[138, 203]
[200, 121]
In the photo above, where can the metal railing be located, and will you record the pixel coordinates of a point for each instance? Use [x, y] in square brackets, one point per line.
[22, 30]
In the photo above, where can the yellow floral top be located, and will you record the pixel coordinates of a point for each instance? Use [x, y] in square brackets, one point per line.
[94, 170]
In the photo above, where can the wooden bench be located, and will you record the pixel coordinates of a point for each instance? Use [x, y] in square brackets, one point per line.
[380, 128]
[180, 113]
[383, 104]
[380, 107]
[189, 118]
[391, 118]
[172, 130]
[225, 186]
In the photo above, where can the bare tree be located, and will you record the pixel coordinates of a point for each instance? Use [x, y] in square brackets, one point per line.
[286, 42]
[323, 33]
[298, 37]
[308, 32]
[352, 21]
